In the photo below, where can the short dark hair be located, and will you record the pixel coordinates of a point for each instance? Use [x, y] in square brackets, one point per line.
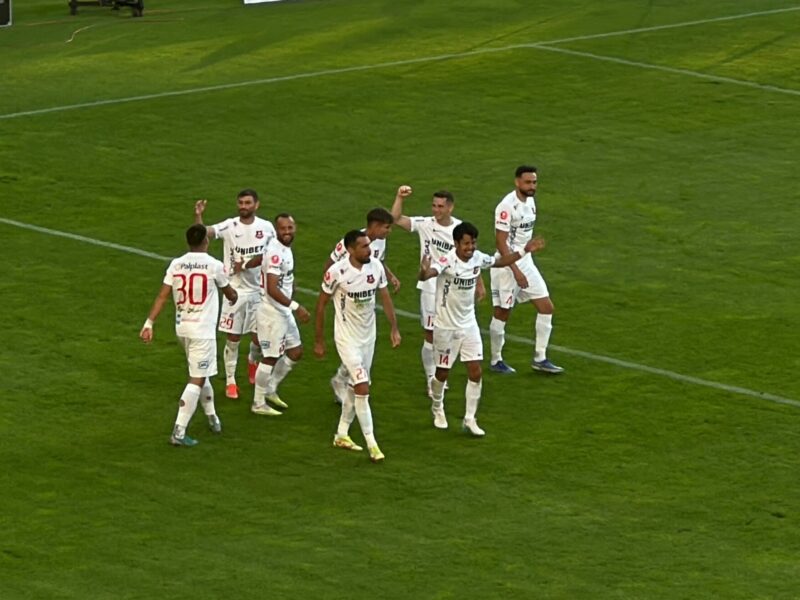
[446, 195]
[248, 192]
[283, 215]
[195, 235]
[524, 169]
[380, 215]
[463, 229]
[351, 236]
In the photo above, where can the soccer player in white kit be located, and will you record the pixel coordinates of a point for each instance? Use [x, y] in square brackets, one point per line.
[455, 327]
[192, 280]
[244, 237]
[435, 239]
[353, 283]
[379, 226]
[514, 219]
[278, 335]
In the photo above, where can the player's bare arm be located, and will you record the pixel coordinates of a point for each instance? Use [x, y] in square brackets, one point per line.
[425, 270]
[274, 292]
[388, 309]
[480, 289]
[501, 242]
[199, 209]
[390, 277]
[230, 293]
[533, 245]
[253, 262]
[328, 264]
[146, 332]
[403, 192]
[319, 325]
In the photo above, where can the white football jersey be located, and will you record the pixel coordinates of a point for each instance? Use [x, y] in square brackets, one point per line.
[278, 260]
[245, 241]
[455, 289]
[353, 292]
[194, 278]
[517, 218]
[378, 248]
[434, 240]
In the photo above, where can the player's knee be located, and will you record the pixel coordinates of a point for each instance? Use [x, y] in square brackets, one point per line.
[295, 353]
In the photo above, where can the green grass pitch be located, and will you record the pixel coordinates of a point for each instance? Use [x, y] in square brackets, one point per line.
[668, 197]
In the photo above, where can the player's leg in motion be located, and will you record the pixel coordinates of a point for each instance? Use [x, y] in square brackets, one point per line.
[207, 401]
[186, 408]
[427, 311]
[543, 327]
[253, 358]
[444, 353]
[230, 356]
[339, 384]
[503, 297]
[473, 396]
[272, 336]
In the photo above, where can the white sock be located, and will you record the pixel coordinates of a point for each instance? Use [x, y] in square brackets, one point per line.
[348, 414]
[364, 415]
[473, 395]
[262, 383]
[497, 336]
[254, 355]
[231, 356]
[279, 372]
[544, 325]
[437, 391]
[207, 399]
[427, 360]
[341, 375]
[188, 404]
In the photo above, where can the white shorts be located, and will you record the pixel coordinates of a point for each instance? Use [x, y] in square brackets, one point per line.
[427, 309]
[506, 292]
[449, 344]
[357, 359]
[241, 317]
[201, 356]
[276, 332]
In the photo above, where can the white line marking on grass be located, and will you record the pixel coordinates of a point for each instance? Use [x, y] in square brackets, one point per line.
[399, 63]
[673, 70]
[588, 355]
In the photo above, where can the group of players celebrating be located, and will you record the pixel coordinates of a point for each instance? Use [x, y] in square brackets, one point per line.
[257, 279]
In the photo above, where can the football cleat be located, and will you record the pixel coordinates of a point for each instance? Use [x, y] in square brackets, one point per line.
[251, 371]
[471, 426]
[276, 400]
[232, 391]
[263, 409]
[339, 390]
[375, 454]
[183, 441]
[546, 367]
[439, 419]
[345, 443]
[214, 424]
[501, 367]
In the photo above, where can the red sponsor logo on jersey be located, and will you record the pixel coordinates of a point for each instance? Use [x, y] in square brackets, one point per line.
[339, 246]
[443, 259]
[259, 234]
[503, 215]
[275, 259]
[370, 279]
[327, 275]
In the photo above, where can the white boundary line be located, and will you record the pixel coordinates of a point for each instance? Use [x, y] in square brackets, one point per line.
[546, 45]
[588, 355]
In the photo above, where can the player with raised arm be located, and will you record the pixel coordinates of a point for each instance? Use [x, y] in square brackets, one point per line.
[353, 283]
[435, 240]
[278, 335]
[379, 226]
[192, 280]
[455, 327]
[514, 218]
[244, 237]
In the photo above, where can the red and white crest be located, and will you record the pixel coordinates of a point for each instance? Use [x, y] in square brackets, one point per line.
[443, 259]
[503, 214]
[327, 275]
[259, 234]
[370, 279]
[275, 259]
[339, 246]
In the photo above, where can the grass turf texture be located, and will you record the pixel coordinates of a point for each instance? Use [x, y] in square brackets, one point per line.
[670, 207]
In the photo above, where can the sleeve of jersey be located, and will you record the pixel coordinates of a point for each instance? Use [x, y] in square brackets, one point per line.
[416, 222]
[486, 260]
[382, 277]
[220, 277]
[330, 280]
[168, 275]
[502, 217]
[440, 265]
[339, 251]
[273, 262]
[220, 228]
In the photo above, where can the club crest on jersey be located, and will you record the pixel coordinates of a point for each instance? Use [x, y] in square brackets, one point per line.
[503, 215]
[275, 259]
[339, 246]
[370, 279]
[327, 275]
[259, 234]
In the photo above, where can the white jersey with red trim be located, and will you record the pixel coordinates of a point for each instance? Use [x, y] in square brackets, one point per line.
[194, 278]
[279, 261]
[455, 289]
[517, 217]
[435, 240]
[242, 242]
[378, 248]
[354, 292]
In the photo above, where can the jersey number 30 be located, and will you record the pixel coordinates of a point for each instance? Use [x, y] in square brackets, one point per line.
[197, 292]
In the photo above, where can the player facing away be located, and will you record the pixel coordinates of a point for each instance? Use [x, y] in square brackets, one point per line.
[353, 283]
[435, 240]
[514, 219]
[455, 327]
[278, 335]
[193, 280]
[244, 237]
[379, 226]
